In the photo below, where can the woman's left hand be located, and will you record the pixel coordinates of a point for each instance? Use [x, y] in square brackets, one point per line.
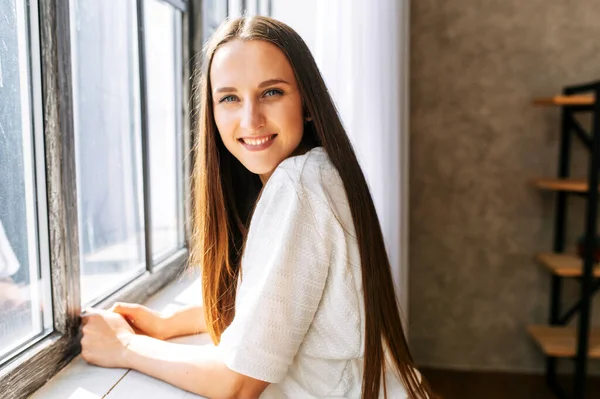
[106, 336]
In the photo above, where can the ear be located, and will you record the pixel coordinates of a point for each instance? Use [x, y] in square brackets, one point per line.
[307, 115]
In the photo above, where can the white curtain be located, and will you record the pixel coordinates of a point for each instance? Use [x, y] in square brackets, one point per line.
[361, 47]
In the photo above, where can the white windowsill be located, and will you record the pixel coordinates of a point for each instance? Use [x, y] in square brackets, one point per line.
[80, 380]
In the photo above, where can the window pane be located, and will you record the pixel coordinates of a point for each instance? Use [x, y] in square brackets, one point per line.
[162, 25]
[25, 305]
[250, 7]
[108, 144]
[214, 12]
[264, 7]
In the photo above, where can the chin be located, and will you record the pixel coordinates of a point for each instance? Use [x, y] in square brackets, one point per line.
[263, 170]
[259, 169]
[264, 163]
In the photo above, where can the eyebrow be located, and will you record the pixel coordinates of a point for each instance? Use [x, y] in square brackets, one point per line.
[266, 83]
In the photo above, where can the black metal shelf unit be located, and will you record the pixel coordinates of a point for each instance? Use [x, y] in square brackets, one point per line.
[588, 283]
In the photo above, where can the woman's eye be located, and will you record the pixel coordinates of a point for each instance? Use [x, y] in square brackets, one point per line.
[273, 92]
[227, 99]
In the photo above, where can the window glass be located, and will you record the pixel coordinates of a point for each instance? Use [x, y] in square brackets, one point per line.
[106, 91]
[162, 29]
[25, 304]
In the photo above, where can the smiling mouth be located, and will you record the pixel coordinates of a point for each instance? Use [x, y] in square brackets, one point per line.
[257, 142]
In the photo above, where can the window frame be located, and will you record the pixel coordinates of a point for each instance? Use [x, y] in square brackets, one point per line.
[51, 74]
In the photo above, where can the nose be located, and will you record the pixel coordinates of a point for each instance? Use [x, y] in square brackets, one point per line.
[252, 117]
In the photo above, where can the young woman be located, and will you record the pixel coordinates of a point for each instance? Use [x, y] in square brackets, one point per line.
[297, 289]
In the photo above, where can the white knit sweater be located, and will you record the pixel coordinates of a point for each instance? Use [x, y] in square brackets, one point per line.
[299, 319]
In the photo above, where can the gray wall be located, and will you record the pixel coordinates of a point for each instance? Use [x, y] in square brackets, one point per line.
[475, 141]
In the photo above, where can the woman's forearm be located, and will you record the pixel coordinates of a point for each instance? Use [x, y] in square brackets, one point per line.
[196, 369]
[188, 320]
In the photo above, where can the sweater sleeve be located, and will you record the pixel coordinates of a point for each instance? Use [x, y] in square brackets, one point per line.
[284, 269]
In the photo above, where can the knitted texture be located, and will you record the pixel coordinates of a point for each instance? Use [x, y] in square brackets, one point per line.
[299, 319]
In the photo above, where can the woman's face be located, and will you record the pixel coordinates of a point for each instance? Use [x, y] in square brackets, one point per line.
[257, 104]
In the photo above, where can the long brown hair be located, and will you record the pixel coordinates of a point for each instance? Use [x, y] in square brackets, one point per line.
[225, 193]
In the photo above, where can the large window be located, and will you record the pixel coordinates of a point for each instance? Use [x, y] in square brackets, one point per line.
[164, 82]
[25, 305]
[93, 178]
[108, 135]
[106, 93]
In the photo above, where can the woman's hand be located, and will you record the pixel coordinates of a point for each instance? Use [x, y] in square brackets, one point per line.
[106, 336]
[143, 320]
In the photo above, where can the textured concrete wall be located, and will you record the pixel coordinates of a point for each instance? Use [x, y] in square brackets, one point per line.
[475, 141]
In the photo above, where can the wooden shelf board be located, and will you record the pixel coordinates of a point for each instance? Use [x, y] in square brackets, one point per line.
[562, 341]
[564, 265]
[571, 185]
[565, 100]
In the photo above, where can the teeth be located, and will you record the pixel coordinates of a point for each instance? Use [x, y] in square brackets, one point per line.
[257, 142]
